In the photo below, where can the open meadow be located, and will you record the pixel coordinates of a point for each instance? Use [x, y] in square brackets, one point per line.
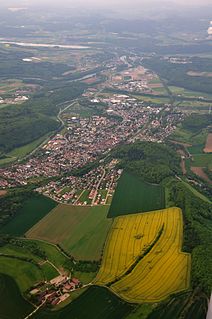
[142, 260]
[133, 195]
[26, 267]
[26, 274]
[79, 230]
[202, 160]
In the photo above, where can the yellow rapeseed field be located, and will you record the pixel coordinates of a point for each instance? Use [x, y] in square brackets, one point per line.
[159, 272]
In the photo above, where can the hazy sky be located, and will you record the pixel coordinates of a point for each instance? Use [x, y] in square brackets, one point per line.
[112, 3]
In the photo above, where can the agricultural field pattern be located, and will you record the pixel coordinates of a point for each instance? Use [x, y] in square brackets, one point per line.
[105, 159]
[142, 259]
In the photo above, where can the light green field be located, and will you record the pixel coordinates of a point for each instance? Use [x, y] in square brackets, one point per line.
[84, 197]
[202, 160]
[49, 271]
[79, 230]
[7, 160]
[25, 274]
[188, 93]
[160, 90]
[26, 149]
[185, 136]
[194, 105]
[195, 192]
[22, 151]
[154, 100]
[85, 277]
[19, 252]
[52, 253]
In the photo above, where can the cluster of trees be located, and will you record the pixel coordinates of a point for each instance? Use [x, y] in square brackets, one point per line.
[197, 215]
[87, 266]
[13, 67]
[176, 74]
[80, 265]
[196, 122]
[29, 246]
[151, 161]
[23, 124]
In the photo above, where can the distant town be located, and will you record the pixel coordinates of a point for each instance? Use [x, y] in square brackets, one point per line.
[123, 117]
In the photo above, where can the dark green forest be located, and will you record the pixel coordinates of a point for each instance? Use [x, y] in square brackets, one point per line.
[25, 123]
[151, 161]
[176, 74]
[197, 233]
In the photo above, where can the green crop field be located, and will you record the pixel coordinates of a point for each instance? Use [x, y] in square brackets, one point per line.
[79, 230]
[52, 252]
[196, 149]
[202, 160]
[187, 93]
[141, 312]
[25, 273]
[13, 305]
[133, 195]
[185, 136]
[32, 211]
[195, 192]
[95, 303]
[152, 99]
[17, 251]
[48, 271]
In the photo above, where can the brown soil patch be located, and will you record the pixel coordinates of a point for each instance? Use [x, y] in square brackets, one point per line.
[183, 166]
[208, 144]
[3, 192]
[199, 172]
[182, 163]
[90, 80]
[155, 85]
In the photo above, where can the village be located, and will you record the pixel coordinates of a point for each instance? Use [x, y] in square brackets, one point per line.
[89, 138]
[94, 188]
[55, 291]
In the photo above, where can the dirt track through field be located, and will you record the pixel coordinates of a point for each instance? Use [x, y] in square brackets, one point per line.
[199, 172]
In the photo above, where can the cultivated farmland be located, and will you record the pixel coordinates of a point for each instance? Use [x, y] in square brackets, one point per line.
[142, 261]
[13, 305]
[32, 211]
[79, 230]
[133, 195]
[26, 274]
[95, 303]
[208, 145]
[202, 160]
